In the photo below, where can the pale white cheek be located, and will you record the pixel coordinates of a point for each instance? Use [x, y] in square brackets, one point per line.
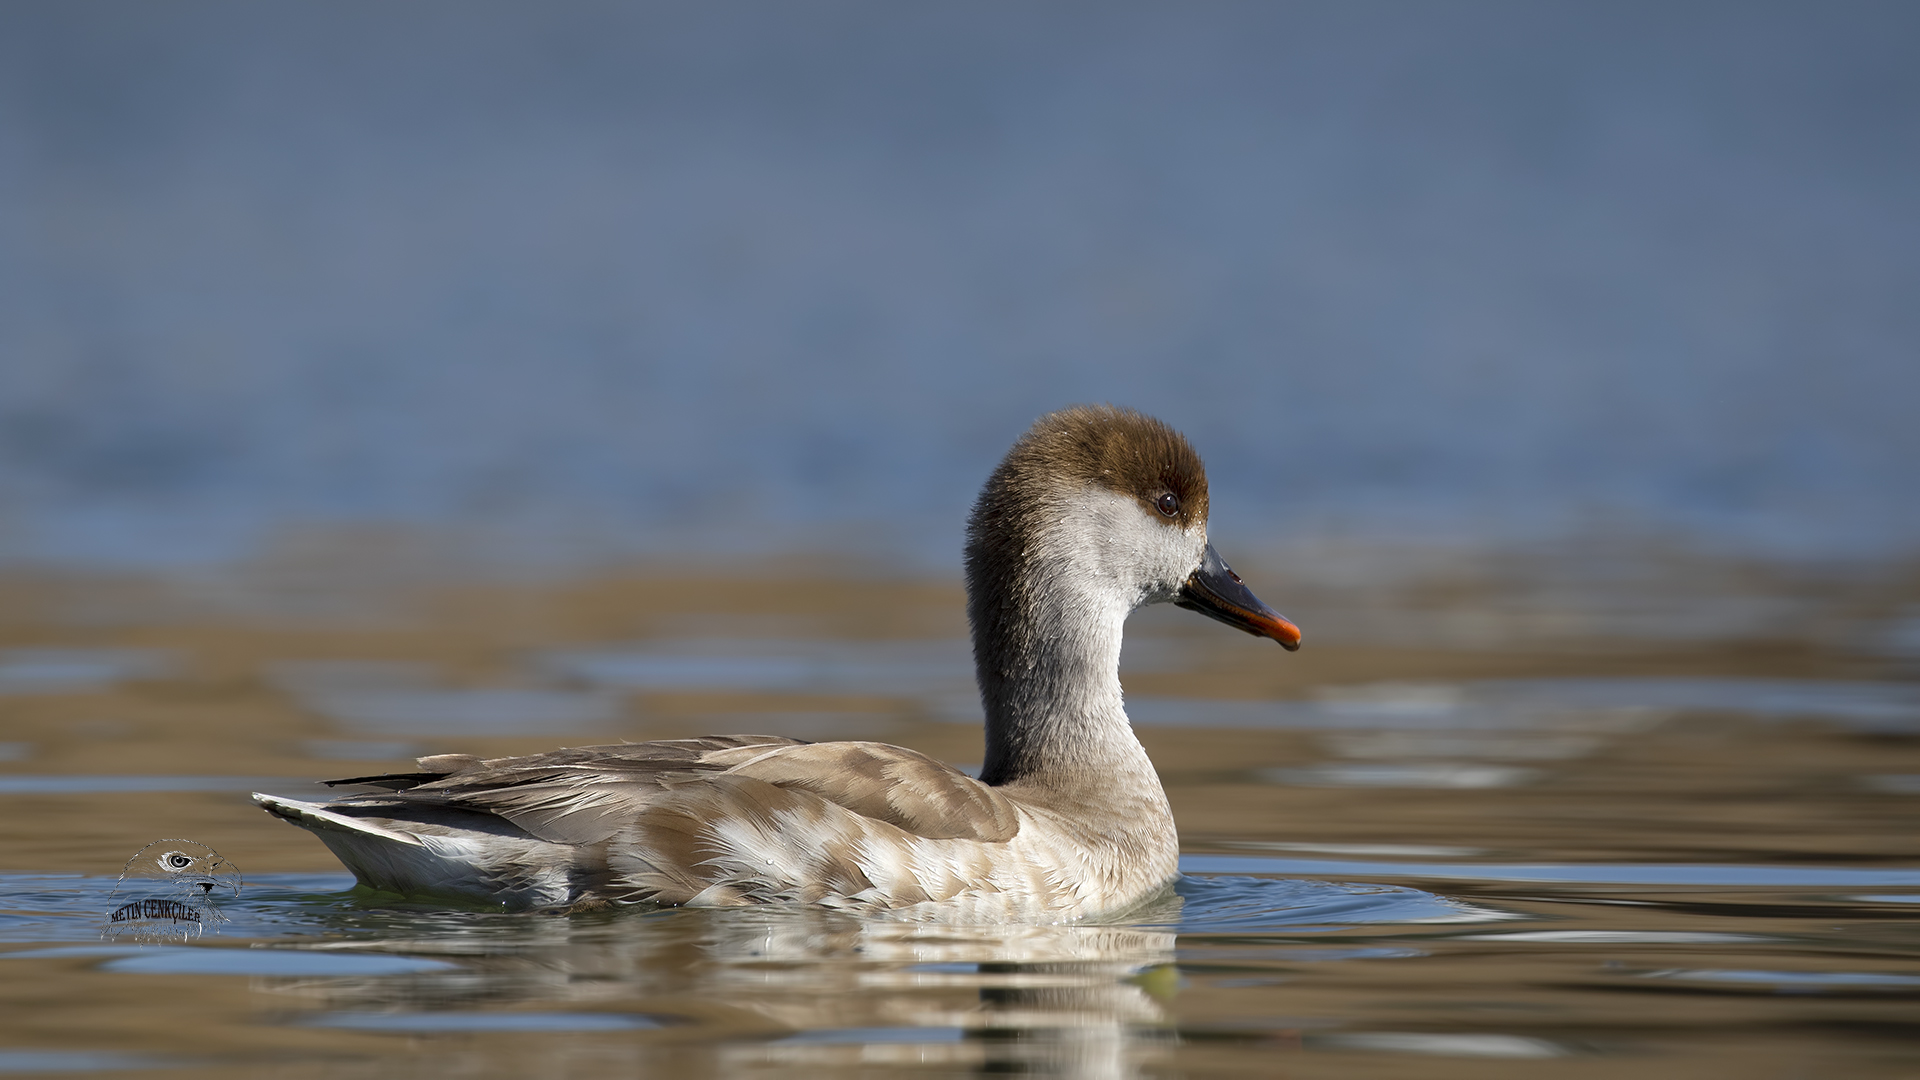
[1176, 555]
[1127, 555]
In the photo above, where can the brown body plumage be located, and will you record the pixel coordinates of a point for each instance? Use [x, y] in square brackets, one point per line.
[1094, 512]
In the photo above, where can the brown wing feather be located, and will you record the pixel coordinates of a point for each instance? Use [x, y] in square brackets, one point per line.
[588, 795]
[888, 783]
[580, 795]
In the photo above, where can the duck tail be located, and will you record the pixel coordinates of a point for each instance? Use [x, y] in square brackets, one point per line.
[318, 819]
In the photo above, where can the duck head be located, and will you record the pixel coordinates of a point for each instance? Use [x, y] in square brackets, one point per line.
[1098, 510]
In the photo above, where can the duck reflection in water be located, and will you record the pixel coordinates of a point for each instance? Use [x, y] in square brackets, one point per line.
[788, 987]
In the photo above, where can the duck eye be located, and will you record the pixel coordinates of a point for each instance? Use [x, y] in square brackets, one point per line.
[1168, 502]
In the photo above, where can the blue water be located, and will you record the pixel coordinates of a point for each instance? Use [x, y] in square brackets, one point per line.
[578, 279]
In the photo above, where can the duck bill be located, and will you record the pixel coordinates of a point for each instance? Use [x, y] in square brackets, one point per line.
[1217, 592]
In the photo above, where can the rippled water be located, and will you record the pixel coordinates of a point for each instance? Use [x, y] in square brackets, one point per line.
[1517, 849]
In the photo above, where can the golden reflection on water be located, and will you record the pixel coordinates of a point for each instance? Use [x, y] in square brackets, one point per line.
[1453, 711]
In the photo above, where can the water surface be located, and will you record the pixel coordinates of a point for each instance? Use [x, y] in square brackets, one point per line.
[1547, 843]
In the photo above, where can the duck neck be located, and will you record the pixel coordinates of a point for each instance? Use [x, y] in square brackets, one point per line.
[1048, 661]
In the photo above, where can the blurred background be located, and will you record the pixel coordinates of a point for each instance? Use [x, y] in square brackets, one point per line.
[576, 281]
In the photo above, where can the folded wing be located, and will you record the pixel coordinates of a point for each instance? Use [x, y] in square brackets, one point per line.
[682, 821]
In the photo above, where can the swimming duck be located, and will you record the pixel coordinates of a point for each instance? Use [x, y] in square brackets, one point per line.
[1095, 512]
